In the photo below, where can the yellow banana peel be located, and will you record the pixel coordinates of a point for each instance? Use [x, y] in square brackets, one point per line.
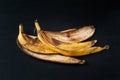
[59, 46]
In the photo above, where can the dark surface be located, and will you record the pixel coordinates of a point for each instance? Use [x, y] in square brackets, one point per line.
[59, 15]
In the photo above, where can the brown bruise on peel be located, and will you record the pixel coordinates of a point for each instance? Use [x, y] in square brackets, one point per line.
[68, 30]
[56, 42]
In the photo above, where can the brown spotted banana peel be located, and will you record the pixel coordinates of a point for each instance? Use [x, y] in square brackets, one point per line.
[47, 45]
[30, 46]
[54, 45]
[70, 35]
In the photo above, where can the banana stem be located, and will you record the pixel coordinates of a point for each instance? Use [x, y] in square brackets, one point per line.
[21, 29]
[37, 25]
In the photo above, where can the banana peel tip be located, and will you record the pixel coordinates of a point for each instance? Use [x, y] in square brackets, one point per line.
[106, 46]
[82, 62]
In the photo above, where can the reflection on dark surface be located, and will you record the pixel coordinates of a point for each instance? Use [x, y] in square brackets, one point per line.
[59, 15]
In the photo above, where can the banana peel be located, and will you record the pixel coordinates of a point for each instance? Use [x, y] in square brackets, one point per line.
[31, 46]
[59, 46]
[70, 35]
[53, 44]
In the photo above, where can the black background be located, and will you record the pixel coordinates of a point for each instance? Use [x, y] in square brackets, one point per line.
[58, 15]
